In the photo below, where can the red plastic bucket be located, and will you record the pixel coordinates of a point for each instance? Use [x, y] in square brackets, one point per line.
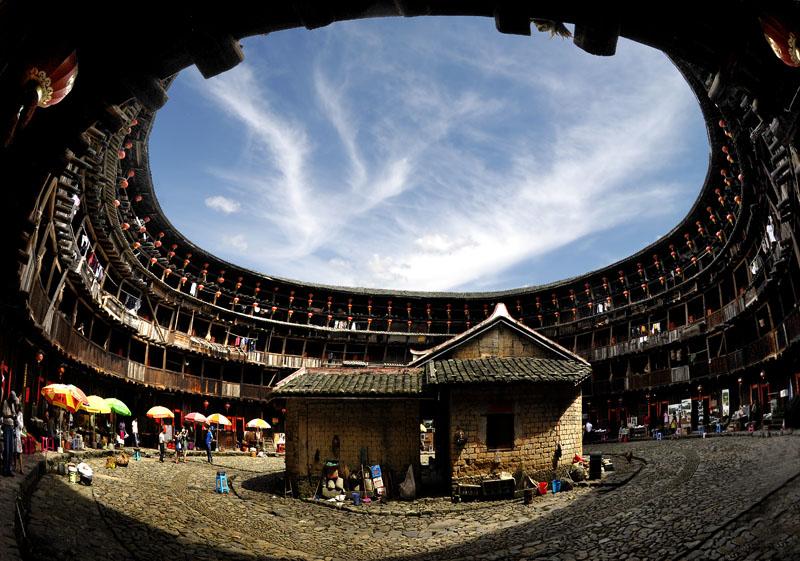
[543, 487]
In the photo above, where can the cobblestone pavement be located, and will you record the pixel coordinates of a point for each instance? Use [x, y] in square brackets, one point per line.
[719, 498]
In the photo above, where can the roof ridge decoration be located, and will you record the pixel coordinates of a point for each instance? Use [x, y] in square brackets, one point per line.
[499, 315]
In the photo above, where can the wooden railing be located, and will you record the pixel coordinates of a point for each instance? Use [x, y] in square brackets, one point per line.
[85, 351]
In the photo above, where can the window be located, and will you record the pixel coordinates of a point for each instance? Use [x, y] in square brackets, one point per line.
[499, 431]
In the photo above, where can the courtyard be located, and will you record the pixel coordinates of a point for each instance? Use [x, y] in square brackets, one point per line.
[716, 498]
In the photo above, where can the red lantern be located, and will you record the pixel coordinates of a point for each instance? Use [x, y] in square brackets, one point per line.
[782, 40]
[121, 154]
[136, 245]
[200, 288]
[39, 356]
[131, 173]
[227, 407]
[205, 404]
[123, 184]
[129, 145]
[217, 294]
[138, 198]
[116, 202]
[153, 260]
[125, 225]
[47, 81]
[157, 243]
[54, 81]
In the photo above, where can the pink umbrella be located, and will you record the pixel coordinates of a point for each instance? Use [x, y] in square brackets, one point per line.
[195, 418]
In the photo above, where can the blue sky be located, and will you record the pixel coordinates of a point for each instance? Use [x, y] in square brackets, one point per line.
[428, 154]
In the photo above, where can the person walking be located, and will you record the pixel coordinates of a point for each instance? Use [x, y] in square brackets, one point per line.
[135, 431]
[9, 411]
[162, 444]
[209, 440]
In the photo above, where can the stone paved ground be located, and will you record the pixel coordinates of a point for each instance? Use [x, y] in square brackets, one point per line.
[721, 498]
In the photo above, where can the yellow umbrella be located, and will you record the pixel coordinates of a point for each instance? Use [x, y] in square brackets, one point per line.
[217, 419]
[95, 404]
[65, 396]
[258, 424]
[159, 412]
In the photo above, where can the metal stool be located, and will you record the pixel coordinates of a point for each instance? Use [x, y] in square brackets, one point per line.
[47, 444]
[222, 482]
[658, 435]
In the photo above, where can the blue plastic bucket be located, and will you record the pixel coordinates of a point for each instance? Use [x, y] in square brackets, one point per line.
[556, 485]
[356, 499]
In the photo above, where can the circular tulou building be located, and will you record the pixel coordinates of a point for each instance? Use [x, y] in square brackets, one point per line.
[99, 289]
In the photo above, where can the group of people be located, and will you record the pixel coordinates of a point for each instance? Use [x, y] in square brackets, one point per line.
[180, 440]
[13, 431]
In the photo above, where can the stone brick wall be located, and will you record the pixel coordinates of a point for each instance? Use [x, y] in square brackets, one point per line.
[500, 341]
[388, 428]
[544, 414]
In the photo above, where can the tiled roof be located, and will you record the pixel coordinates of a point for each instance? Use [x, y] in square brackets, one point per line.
[344, 382]
[499, 316]
[505, 370]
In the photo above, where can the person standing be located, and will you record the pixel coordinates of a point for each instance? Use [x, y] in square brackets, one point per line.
[20, 428]
[178, 446]
[162, 444]
[587, 431]
[185, 443]
[122, 432]
[9, 411]
[135, 431]
[209, 440]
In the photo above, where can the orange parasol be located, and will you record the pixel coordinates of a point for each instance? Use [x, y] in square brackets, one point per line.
[65, 396]
[159, 412]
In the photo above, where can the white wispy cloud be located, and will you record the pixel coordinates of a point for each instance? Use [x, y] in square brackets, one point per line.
[222, 204]
[382, 173]
[236, 242]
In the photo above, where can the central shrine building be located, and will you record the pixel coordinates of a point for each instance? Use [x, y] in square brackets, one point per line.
[502, 397]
